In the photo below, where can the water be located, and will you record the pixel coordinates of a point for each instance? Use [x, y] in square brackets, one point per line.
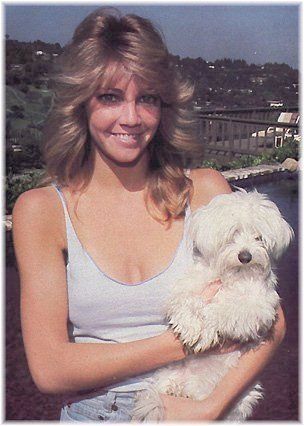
[280, 378]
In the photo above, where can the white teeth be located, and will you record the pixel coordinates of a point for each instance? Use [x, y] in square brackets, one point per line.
[125, 136]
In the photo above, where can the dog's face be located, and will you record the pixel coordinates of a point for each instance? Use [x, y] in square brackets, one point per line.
[240, 231]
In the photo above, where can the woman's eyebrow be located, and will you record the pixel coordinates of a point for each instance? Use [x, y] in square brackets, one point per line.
[110, 89]
[148, 92]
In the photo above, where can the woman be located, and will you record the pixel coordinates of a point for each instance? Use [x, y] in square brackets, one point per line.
[117, 214]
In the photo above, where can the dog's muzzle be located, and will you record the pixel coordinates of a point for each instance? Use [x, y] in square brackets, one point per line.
[244, 256]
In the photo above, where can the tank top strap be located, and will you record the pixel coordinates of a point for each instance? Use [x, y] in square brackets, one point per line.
[188, 244]
[188, 208]
[72, 239]
[60, 194]
[187, 219]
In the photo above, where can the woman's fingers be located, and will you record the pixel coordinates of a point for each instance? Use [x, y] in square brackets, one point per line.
[210, 290]
[208, 293]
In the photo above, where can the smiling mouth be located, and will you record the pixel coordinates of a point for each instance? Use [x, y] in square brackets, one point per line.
[127, 137]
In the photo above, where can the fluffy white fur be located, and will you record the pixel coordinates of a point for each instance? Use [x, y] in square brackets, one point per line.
[237, 237]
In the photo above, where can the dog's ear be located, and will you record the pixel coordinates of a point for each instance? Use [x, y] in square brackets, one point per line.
[272, 225]
[284, 237]
[212, 225]
[202, 230]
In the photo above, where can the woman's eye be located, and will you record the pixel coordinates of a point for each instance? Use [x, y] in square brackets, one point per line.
[108, 98]
[149, 99]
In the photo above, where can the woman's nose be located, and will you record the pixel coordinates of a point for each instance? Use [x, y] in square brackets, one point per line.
[130, 115]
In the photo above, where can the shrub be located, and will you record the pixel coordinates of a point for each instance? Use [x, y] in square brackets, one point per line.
[16, 184]
[244, 161]
[263, 159]
[212, 164]
[290, 149]
[250, 161]
[24, 88]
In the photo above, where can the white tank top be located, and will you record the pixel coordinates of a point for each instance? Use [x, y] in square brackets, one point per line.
[104, 310]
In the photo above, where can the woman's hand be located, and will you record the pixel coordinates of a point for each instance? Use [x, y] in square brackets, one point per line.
[211, 290]
[208, 294]
[185, 409]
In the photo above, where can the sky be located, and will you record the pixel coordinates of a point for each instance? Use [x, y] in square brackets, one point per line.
[257, 33]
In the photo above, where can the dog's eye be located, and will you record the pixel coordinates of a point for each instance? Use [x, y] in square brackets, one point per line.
[259, 238]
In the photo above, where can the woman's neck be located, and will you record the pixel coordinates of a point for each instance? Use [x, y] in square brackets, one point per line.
[131, 177]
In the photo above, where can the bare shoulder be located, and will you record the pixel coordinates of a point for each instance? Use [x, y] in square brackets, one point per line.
[35, 202]
[38, 209]
[207, 184]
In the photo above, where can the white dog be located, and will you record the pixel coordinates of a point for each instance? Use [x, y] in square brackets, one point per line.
[237, 237]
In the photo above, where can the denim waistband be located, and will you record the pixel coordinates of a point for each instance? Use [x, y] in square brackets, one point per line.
[106, 406]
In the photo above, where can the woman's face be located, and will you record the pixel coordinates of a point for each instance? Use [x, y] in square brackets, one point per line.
[123, 118]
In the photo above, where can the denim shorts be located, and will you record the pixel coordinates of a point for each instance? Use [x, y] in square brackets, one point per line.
[114, 407]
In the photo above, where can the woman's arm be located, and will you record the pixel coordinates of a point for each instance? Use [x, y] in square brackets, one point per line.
[251, 364]
[56, 364]
[207, 184]
[237, 380]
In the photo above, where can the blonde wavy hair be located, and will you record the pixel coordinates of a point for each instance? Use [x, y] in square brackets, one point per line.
[101, 44]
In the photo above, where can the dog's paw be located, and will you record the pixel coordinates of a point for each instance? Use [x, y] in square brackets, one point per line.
[208, 339]
[148, 406]
[201, 346]
[185, 318]
[188, 334]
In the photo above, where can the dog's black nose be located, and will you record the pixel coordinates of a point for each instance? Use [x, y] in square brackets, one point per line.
[245, 256]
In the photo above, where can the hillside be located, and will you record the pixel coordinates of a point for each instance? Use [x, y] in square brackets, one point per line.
[224, 83]
[24, 109]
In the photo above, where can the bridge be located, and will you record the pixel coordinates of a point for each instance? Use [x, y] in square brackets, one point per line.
[230, 133]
